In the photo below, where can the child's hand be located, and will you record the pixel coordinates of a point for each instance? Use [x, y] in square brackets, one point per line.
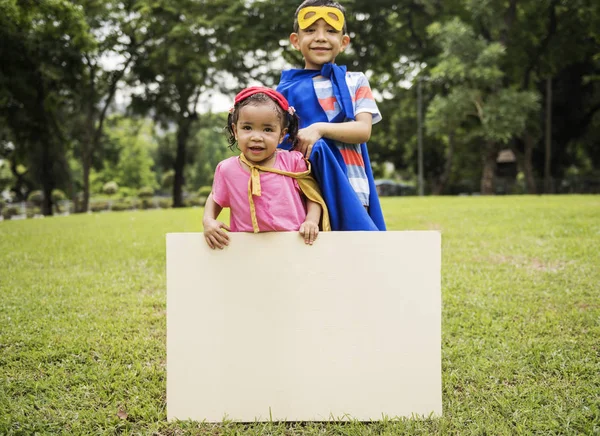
[307, 138]
[309, 230]
[214, 234]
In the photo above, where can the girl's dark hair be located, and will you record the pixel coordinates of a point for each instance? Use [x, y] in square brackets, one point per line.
[331, 3]
[291, 122]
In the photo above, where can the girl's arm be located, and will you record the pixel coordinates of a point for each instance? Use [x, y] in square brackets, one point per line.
[213, 230]
[310, 227]
[349, 132]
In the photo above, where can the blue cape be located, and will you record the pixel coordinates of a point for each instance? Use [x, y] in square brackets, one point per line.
[346, 212]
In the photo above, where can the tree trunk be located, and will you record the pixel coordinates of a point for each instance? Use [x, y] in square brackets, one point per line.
[548, 188]
[528, 164]
[87, 164]
[183, 132]
[47, 180]
[490, 154]
[441, 184]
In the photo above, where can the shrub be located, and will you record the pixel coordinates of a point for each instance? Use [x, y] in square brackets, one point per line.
[9, 212]
[195, 201]
[125, 192]
[97, 206]
[146, 192]
[58, 195]
[204, 191]
[168, 179]
[165, 203]
[110, 188]
[121, 205]
[32, 211]
[147, 203]
[36, 197]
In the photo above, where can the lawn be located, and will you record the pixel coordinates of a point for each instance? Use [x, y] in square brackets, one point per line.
[83, 327]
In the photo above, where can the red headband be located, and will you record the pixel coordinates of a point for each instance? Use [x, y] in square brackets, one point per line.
[274, 95]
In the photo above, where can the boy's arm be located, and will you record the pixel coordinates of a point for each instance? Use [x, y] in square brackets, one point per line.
[310, 227]
[349, 132]
[213, 229]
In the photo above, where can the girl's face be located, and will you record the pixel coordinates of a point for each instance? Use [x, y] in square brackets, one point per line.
[258, 132]
[319, 43]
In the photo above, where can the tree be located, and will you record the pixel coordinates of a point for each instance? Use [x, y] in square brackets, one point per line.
[129, 145]
[118, 37]
[180, 65]
[469, 69]
[43, 41]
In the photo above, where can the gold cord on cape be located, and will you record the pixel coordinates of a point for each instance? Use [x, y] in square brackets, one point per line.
[308, 185]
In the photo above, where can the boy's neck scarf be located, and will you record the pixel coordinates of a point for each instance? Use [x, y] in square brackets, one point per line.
[337, 75]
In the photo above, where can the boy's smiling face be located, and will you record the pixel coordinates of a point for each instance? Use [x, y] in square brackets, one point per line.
[319, 43]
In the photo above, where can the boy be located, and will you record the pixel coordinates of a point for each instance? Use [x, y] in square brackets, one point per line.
[336, 110]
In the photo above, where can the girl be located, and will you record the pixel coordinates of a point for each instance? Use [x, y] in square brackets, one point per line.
[264, 186]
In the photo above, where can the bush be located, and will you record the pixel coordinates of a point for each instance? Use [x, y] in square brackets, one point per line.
[32, 211]
[36, 197]
[146, 192]
[110, 188]
[165, 203]
[168, 179]
[125, 192]
[121, 205]
[204, 191]
[9, 212]
[147, 203]
[195, 201]
[58, 195]
[98, 206]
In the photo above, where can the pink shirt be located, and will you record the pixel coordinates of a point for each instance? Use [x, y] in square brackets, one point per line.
[281, 206]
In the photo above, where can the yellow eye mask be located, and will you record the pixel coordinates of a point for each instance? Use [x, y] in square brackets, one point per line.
[332, 16]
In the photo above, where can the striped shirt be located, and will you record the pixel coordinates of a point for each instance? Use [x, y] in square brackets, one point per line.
[363, 101]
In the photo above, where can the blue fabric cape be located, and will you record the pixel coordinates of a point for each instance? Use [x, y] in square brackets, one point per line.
[346, 212]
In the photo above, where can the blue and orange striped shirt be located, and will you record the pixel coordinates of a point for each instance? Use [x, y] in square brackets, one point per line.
[363, 101]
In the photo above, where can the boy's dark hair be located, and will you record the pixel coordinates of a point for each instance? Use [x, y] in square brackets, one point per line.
[291, 122]
[330, 3]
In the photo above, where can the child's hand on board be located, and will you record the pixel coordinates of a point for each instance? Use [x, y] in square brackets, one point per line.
[309, 230]
[214, 234]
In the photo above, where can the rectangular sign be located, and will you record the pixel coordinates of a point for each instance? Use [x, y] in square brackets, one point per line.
[272, 329]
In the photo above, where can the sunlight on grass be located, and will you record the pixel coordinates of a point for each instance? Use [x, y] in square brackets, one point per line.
[83, 304]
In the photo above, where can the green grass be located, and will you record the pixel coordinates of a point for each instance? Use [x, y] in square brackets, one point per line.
[82, 321]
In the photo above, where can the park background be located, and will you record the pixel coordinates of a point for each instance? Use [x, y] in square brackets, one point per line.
[122, 102]
[120, 105]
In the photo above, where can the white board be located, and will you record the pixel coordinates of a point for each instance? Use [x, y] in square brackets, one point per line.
[272, 329]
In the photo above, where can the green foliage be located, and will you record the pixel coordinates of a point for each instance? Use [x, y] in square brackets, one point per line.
[58, 195]
[146, 203]
[44, 41]
[97, 206]
[32, 212]
[10, 211]
[146, 192]
[507, 112]
[167, 179]
[471, 68]
[121, 205]
[204, 191]
[110, 188]
[165, 203]
[36, 197]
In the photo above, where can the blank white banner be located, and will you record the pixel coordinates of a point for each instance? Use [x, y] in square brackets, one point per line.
[269, 328]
